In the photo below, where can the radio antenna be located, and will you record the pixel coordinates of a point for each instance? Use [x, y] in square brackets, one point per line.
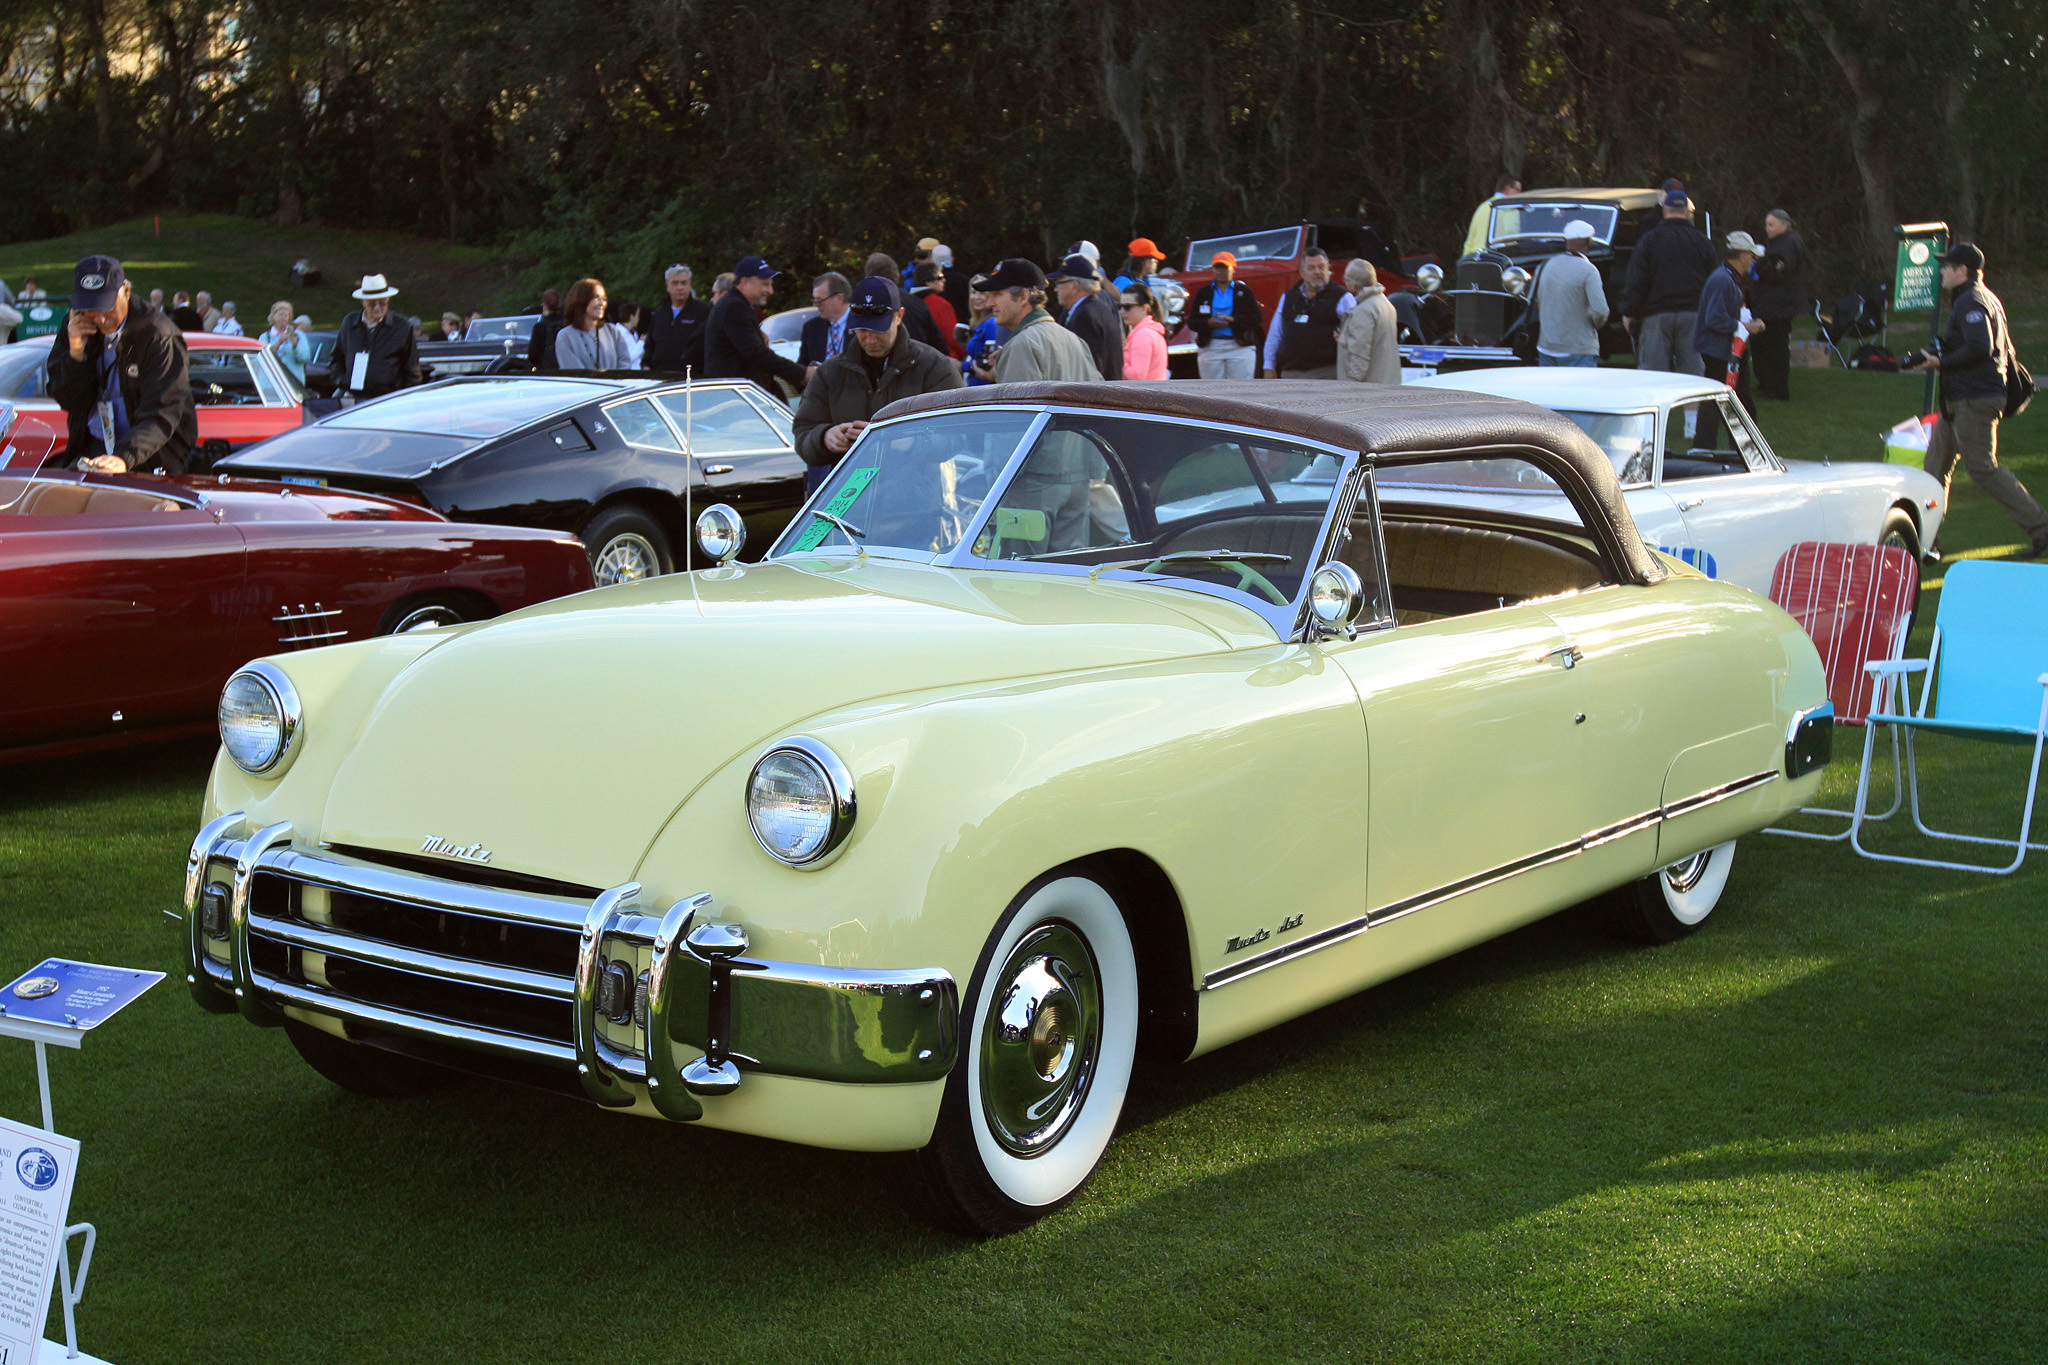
[689, 469]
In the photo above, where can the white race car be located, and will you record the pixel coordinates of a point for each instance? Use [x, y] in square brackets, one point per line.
[1702, 482]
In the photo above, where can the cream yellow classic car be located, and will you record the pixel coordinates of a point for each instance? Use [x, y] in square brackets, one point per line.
[1067, 727]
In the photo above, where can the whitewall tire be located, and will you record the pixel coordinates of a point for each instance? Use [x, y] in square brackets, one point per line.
[1674, 901]
[1049, 1029]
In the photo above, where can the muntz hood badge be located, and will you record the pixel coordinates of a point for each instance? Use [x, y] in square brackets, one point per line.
[469, 853]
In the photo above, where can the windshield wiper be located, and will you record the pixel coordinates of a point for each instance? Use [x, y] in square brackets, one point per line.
[1197, 557]
[846, 526]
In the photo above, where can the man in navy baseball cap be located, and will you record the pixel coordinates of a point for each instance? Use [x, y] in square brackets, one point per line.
[120, 373]
[734, 347]
[881, 364]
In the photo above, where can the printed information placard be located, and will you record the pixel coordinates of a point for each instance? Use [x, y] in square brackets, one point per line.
[36, 1169]
[67, 994]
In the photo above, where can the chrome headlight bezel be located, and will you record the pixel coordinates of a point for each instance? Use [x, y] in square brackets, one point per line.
[290, 712]
[837, 782]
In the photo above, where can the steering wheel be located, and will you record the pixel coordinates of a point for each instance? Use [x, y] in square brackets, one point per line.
[1248, 578]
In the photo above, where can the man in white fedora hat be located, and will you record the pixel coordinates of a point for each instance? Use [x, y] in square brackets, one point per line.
[373, 351]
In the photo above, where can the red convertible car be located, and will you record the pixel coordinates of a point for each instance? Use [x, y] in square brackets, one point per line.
[127, 600]
[243, 394]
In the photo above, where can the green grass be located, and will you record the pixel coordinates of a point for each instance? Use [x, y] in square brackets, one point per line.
[247, 261]
[1816, 1131]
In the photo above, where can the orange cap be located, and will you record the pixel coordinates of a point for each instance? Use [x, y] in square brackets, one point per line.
[1224, 258]
[1144, 247]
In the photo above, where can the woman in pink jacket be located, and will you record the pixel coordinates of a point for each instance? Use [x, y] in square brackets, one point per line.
[1144, 335]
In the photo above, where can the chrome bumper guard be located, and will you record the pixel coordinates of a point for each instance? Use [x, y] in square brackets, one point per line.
[701, 989]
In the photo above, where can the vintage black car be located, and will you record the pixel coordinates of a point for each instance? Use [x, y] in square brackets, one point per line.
[602, 456]
[1528, 229]
[488, 346]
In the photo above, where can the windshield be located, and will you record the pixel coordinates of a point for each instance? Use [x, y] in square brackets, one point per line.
[497, 329]
[1275, 244]
[913, 486]
[1522, 221]
[1627, 439]
[21, 370]
[475, 409]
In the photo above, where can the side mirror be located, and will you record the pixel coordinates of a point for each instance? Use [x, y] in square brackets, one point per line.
[1336, 596]
[720, 533]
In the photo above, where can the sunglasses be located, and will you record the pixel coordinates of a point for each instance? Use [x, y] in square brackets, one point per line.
[865, 311]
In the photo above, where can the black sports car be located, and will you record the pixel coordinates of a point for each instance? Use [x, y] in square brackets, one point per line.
[603, 457]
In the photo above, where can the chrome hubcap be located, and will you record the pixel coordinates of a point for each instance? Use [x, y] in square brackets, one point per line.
[1039, 1048]
[625, 558]
[427, 618]
[1682, 877]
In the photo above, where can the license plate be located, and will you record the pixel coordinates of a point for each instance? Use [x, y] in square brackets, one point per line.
[302, 478]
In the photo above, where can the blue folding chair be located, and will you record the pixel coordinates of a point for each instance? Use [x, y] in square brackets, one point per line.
[1987, 678]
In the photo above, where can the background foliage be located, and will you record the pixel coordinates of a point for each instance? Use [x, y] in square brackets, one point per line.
[620, 135]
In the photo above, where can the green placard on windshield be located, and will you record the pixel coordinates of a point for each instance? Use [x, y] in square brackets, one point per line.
[856, 484]
[1916, 280]
[40, 318]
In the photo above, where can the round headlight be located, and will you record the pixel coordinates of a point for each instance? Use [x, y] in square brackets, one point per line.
[259, 718]
[800, 802]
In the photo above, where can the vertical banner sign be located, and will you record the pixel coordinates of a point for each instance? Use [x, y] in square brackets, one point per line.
[1916, 279]
[36, 1169]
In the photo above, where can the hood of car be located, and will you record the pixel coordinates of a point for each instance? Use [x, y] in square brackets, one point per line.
[319, 450]
[561, 738]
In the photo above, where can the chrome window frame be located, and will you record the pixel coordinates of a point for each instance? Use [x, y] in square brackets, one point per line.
[653, 394]
[1222, 241]
[1288, 621]
[968, 533]
[647, 397]
[1656, 416]
[1614, 212]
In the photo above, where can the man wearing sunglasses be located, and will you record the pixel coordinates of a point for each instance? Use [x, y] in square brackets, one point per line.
[879, 364]
[119, 371]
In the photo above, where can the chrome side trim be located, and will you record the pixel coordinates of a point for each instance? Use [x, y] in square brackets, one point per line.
[1350, 929]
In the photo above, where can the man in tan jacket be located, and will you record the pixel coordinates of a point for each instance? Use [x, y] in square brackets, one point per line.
[1368, 344]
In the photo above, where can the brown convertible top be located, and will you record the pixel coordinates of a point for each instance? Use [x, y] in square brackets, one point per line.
[1385, 423]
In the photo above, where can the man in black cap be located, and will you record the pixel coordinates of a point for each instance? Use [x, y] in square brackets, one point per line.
[879, 364]
[119, 371]
[1038, 348]
[1088, 314]
[1975, 358]
[733, 345]
[1660, 300]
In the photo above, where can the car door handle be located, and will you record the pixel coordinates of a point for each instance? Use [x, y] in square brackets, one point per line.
[1691, 503]
[718, 469]
[1568, 657]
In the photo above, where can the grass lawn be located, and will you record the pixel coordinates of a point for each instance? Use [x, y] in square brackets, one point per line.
[247, 260]
[1816, 1131]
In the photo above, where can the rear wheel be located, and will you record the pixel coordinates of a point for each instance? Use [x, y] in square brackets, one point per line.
[1673, 901]
[1049, 1031]
[365, 1070]
[626, 545]
[424, 612]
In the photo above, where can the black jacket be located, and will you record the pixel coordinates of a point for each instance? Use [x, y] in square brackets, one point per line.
[1094, 319]
[1312, 344]
[540, 343]
[841, 392]
[817, 336]
[1976, 347]
[922, 326]
[394, 362]
[1668, 269]
[675, 341]
[1247, 323]
[1780, 293]
[156, 388]
[735, 349]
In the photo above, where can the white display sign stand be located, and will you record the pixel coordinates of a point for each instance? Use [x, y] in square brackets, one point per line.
[56, 1002]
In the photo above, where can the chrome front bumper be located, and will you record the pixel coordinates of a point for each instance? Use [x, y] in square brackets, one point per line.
[517, 975]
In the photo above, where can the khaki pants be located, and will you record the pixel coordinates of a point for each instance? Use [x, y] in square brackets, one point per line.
[1312, 372]
[1971, 433]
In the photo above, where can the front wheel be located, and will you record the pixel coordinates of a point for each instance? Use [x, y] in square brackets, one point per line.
[1049, 1032]
[1676, 900]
